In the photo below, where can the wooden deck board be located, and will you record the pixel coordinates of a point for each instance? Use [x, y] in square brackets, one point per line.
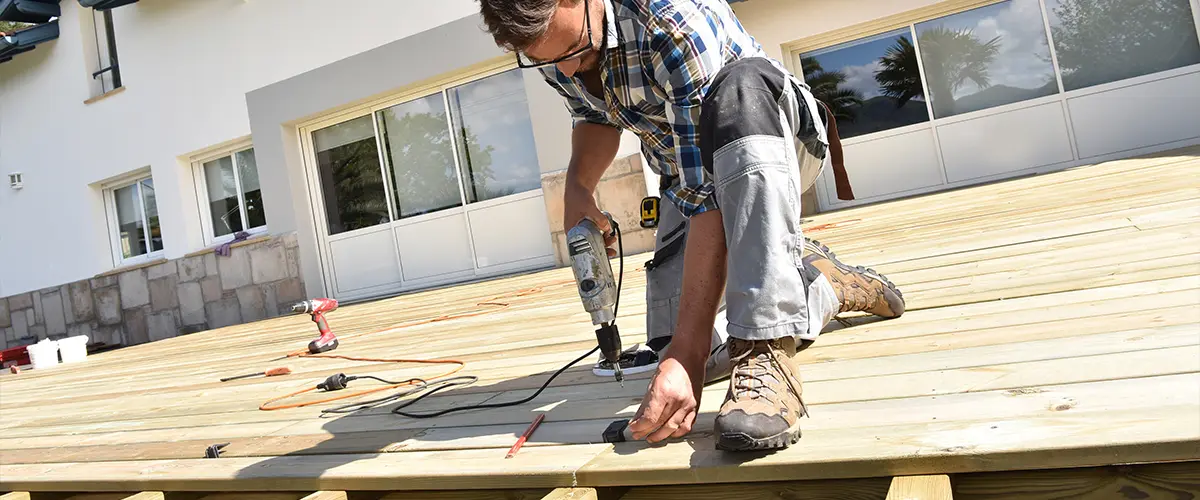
[1053, 322]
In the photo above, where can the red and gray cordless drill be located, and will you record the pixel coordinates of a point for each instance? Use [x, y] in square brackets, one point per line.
[317, 309]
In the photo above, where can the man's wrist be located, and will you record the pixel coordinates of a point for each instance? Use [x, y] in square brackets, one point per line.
[689, 350]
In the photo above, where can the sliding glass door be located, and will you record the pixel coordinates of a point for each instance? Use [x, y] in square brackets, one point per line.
[1006, 87]
[432, 188]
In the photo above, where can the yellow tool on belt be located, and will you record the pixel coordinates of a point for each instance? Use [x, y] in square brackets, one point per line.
[650, 211]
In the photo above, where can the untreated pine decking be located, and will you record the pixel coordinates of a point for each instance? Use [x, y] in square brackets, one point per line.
[1053, 322]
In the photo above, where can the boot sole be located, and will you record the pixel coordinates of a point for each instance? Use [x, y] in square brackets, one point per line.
[737, 441]
[824, 251]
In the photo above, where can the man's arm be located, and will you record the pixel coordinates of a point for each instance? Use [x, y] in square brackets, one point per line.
[594, 143]
[685, 55]
[593, 148]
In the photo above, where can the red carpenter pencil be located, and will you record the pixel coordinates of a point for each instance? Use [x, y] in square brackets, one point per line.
[528, 432]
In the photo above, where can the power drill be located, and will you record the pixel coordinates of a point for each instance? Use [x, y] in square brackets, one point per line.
[597, 289]
[317, 308]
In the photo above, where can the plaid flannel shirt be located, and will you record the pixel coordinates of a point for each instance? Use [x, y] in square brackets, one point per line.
[658, 60]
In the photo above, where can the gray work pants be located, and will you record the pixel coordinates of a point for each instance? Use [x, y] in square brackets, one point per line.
[764, 143]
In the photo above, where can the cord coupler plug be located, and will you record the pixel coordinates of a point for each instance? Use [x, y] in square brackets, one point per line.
[335, 382]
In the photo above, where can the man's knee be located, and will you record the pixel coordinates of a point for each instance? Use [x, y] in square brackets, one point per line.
[742, 101]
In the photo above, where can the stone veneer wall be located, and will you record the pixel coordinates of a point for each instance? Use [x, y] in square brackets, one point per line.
[162, 299]
[619, 193]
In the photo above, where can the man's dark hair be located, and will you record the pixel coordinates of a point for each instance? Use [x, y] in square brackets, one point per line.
[515, 24]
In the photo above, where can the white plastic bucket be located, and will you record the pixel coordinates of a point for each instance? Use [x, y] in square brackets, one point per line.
[43, 354]
[73, 349]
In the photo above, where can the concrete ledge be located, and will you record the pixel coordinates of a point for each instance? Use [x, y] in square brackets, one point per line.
[105, 95]
[132, 267]
[250, 241]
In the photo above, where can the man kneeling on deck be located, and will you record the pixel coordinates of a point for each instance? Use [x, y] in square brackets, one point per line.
[736, 139]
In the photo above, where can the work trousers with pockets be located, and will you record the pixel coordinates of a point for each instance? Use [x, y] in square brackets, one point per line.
[764, 143]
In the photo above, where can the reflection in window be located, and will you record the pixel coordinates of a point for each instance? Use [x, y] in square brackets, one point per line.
[138, 230]
[871, 85]
[351, 181]
[251, 190]
[495, 137]
[227, 190]
[420, 155]
[986, 57]
[1102, 41]
[224, 209]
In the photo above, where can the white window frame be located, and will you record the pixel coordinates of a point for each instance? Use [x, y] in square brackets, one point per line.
[114, 221]
[202, 203]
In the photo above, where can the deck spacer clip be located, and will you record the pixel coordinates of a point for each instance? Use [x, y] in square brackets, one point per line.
[615, 433]
[214, 451]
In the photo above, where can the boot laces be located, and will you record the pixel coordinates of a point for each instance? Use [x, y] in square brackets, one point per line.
[748, 378]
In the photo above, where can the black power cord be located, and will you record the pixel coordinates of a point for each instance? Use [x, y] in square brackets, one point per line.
[339, 381]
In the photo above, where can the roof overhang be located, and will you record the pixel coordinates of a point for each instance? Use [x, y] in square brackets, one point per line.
[26, 40]
[105, 4]
[29, 11]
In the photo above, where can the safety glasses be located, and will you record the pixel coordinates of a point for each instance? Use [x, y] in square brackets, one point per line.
[525, 61]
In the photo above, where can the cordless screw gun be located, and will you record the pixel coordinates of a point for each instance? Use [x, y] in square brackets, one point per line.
[317, 309]
[597, 289]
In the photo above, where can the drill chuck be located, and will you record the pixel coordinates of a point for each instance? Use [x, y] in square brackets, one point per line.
[609, 340]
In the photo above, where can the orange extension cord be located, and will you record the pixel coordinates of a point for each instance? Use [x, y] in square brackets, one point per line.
[493, 305]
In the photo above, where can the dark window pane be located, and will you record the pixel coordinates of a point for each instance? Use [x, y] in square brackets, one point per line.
[251, 188]
[131, 231]
[416, 137]
[151, 205]
[222, 196]
[351, 181]
[495, 137]
[872, 84]
[986, 57]
[1102, 41]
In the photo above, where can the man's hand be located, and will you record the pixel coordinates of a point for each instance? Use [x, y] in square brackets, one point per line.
[671, 404]
[579, 204]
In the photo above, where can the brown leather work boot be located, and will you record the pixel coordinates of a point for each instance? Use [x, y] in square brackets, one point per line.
[858, 288]
[762, 408]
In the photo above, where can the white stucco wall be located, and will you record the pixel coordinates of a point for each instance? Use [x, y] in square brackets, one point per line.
[186, 66]
[776, 22]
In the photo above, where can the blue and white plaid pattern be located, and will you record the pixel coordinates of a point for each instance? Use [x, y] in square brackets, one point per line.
[659, 58]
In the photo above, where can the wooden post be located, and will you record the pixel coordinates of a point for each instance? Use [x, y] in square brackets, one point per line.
[572, 494]
[326, 495]
[147, 495]
[920, 488]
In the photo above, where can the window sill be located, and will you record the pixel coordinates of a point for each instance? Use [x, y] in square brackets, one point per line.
[132, 267]
[249, 241]
[105, 95]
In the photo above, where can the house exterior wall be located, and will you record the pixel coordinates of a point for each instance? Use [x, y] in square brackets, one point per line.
[187, 67]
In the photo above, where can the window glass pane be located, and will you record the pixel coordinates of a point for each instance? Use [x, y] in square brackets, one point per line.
[986, 57]
[1102, 41]
[148, 200]
[871, 85]
[417, 139]
[494, 137]
[251, 188]
[222, 196]
[348, 163]
[130, 232]
[103, 57]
